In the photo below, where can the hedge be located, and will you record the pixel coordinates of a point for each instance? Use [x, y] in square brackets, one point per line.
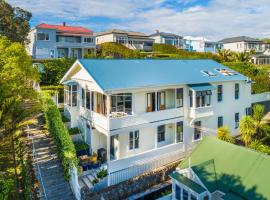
[65, 148]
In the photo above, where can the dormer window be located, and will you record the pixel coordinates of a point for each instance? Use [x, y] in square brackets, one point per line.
[208, 73]
[226, 72]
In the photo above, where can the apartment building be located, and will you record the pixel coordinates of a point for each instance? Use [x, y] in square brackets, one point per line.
[244, 43]
[168, 38]
[57, 41]
[201, 44]
[148, 113]
[130, 39]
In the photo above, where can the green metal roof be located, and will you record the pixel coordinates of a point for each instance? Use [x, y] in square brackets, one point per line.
[188, 182]
[231, 168]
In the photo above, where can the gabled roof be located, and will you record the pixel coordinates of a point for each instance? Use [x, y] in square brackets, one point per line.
[129, 33]
[66, 29]
[165, 34]
[239, 39]
[133, 74]
[237, 171]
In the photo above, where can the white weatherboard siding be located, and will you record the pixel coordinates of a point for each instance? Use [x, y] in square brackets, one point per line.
[150, 153]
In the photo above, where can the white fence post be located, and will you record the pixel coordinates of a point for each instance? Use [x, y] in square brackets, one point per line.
[74, 183]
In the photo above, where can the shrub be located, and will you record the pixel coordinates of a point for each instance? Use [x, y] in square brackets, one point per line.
[65, 148]
[74, 131]
[79, 146]
[65, 119]
[223, 133]
[102, 173]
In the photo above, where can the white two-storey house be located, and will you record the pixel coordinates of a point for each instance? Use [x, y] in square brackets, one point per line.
[57, 41]
[149, 113]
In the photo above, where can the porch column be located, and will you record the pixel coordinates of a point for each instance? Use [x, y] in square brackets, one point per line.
[108, 138]
[194, 99]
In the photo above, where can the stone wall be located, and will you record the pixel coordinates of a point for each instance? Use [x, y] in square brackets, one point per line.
[132, 186]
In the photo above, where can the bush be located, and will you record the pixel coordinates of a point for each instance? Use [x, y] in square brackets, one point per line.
[79, 146]
[102, 173]
[64, 118]
[5, 188]
[223, 133]
[74, 131]
[65, 148]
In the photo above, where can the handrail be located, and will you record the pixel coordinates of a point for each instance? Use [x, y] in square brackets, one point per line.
[39, 173]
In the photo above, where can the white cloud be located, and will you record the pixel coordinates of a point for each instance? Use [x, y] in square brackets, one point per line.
[216, 20]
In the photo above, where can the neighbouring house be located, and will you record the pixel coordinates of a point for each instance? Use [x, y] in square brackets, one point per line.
[57, 41]
[130, 39]
[244, 43]
[222, 171]
[138, 115]
[201, 44]
[261, 58]
[168, 38]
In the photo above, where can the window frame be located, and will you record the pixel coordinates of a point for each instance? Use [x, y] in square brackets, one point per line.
[134, 140]
[161, 133]
[236, 91]
[220, 93]
[236, 120]
[46, 36]
[197, 130]
[220, 121]
[179, 97]
[179, 134]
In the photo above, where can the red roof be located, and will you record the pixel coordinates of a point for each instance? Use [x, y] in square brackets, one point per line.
[67, 29]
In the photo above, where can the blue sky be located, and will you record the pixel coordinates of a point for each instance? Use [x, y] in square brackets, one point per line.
[214, 19]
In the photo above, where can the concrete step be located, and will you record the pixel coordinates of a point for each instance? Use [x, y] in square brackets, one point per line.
[87, 182]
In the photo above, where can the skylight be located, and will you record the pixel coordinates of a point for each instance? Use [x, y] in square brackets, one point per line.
[226, 72]
[208, 73]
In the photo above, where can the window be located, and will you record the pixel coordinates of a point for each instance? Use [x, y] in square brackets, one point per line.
[185, 194]
[87, 94]
[151, 102]
[248, 111]
[177, 192]
[88, 40]
[83, 98]
[191, 98]
[121, 40]
[192, 197]
[179, 132]
[161, 133]
[179, 97]
[43, 36]
[203, 98]
[220, 121]
[67, 99]
[121, 102]
[161, 101]
[236, 119]
[52, 53]
[133, 140]
[197, 130]
[69, 39]
[236, 91]
[219, 92]
[74, 95]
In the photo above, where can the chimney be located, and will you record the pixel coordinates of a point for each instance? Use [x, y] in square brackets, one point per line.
[157, 31]
[64, 23]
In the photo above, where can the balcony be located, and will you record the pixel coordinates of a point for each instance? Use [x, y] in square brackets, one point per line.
[201, 112]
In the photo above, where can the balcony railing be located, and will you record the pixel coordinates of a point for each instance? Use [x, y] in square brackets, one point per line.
[201, 112]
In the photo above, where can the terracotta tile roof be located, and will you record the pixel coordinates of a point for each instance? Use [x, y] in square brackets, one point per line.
[67, 29]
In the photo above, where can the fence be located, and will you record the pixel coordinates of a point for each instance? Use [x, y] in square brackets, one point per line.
[145, 166]
[74, 184]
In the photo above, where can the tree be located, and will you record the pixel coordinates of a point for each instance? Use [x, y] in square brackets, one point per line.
[247, 129]
[225, 55]
[14, 22]
[223, 133]
[242, 56]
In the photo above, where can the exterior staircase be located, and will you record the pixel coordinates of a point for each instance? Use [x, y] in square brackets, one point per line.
[47, 166]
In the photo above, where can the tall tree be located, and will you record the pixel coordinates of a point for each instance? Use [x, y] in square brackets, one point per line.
[14, 22]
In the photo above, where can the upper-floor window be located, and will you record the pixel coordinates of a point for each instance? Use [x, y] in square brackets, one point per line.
[236, 91]
[88, 40]
[133, 140]
[43, 36]
[71, 39]
[179, 132]
[121, 102]
[219, 93]
[220, 121]
[88, 102]
[161, 133]
[161, 98]
[248, 111]
[197, 130]
[236, 119]
[151, 102]
[203, 98]
[83, 98]
[190, 98]
[121, 40]
[179, 97]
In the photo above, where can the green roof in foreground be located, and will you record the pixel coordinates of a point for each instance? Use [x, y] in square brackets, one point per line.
[188, 182]
[232, 169]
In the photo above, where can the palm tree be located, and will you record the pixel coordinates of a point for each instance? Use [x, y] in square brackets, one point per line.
[225, 55]
[242, 56]
[224, 133]
[247, 129]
